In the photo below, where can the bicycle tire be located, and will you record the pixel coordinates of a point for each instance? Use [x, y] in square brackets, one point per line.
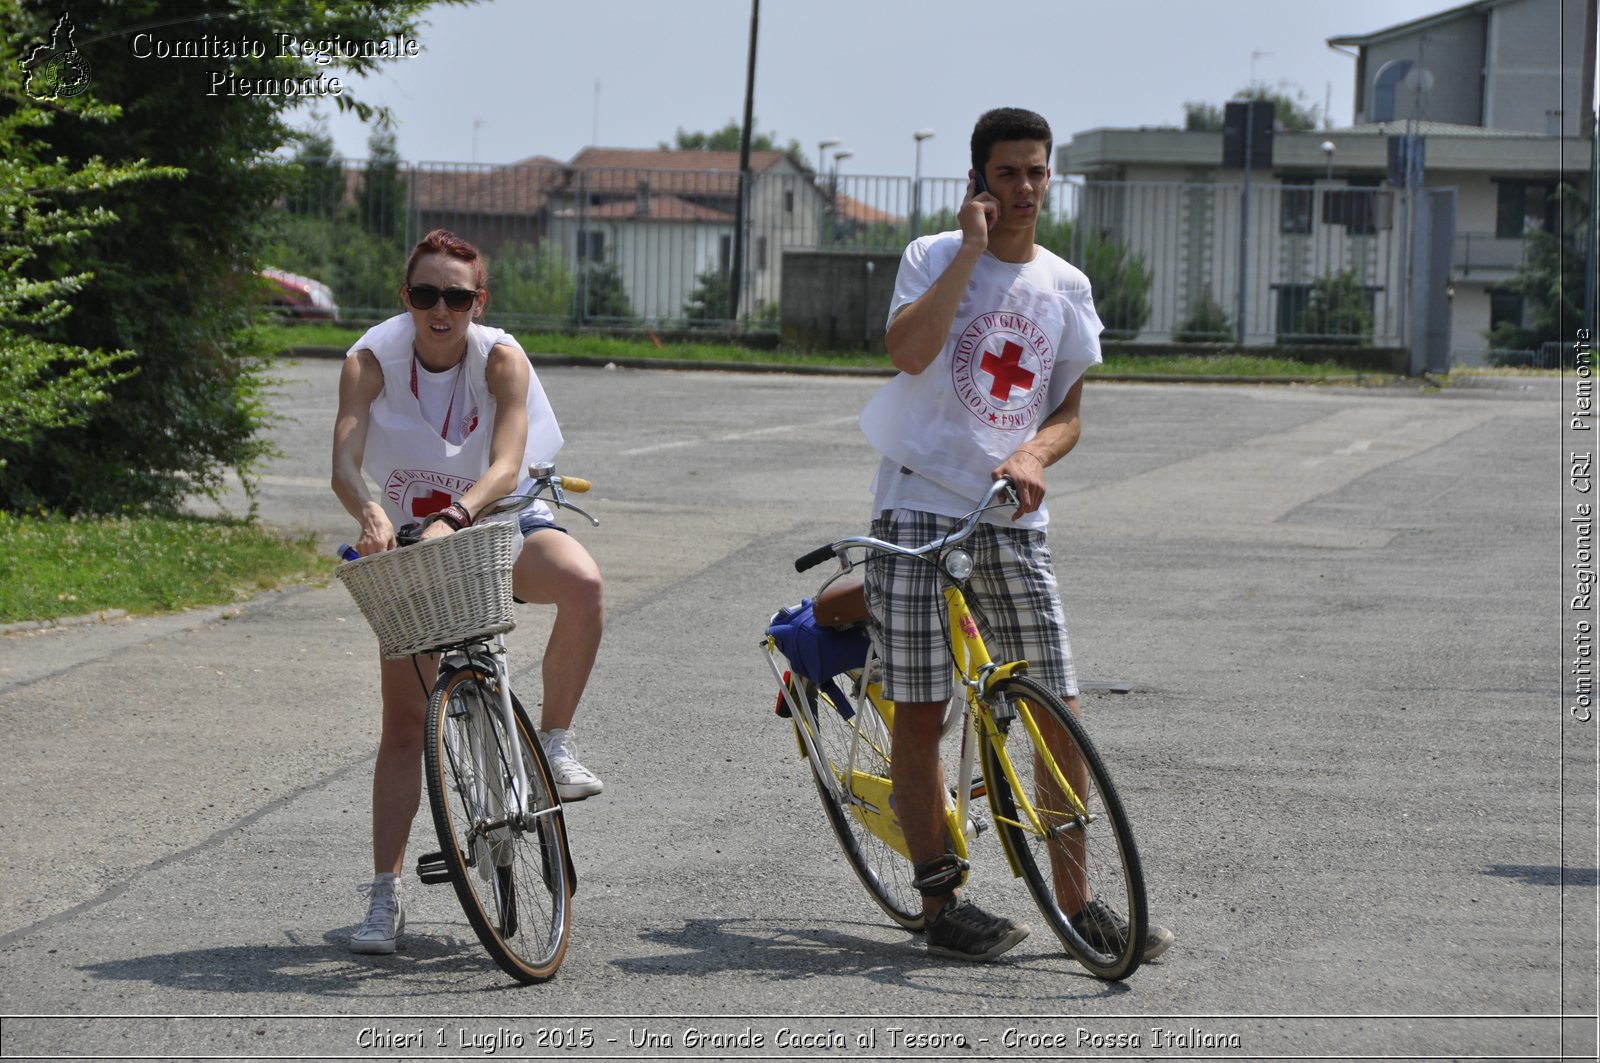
[515, 882]
[885, 872]
[1083, 859]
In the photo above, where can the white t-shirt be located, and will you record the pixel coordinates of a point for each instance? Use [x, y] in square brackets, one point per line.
[1023, 334]
[419, 471]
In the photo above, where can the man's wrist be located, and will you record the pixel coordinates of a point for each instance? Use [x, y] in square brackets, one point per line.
[1024, 452]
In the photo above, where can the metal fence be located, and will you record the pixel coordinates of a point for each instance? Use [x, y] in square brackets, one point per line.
[654, 248]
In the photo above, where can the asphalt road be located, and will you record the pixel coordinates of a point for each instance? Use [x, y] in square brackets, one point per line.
[1344, 750]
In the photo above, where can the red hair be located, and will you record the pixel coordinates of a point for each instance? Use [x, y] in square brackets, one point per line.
[445, 242]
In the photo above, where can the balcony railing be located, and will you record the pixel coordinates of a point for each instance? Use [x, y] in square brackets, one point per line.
[1483, 252]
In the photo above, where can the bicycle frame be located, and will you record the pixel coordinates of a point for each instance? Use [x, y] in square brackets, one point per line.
[977, 673]
[483, 799]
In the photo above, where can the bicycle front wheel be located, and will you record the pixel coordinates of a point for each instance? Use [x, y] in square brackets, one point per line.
[511, 869]
[1075, 848]
[852, 777]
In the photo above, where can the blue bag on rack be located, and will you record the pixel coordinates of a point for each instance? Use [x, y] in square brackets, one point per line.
[817, 652]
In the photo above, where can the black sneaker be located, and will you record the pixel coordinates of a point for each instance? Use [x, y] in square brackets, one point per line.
[967, 932]
[1104, 928]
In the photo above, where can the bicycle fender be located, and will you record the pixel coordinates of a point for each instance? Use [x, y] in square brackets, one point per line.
[544, 765]
[1004, 672]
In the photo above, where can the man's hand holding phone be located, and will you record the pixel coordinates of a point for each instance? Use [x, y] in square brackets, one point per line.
[980, 211]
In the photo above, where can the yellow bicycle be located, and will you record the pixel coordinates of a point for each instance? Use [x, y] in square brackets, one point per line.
[1059, 818]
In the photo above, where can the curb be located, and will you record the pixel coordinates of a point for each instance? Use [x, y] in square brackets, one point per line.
[598, 362]
[63, 621]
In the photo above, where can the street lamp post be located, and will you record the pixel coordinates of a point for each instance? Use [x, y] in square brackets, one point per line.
[822, 155]
[833, 192]
[916, 184]
[1328, 148]
[823, 224]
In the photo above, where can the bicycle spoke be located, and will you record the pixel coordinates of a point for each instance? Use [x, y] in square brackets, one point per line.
[510, 869]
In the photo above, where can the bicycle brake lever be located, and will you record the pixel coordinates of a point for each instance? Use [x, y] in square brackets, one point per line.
[561, 502]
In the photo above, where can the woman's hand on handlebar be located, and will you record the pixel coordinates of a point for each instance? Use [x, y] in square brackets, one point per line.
[433, 529]
[377, 533]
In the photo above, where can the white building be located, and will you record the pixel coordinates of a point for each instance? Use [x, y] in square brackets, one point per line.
[1494, 88]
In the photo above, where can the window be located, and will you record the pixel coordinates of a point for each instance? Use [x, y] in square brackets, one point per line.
[1292, 302]
[1295, 209]
[1504, 306]
[1356, 207]
[591, 246]
[761, 252]
[725, 254]
[788, 201]
[1523, 207]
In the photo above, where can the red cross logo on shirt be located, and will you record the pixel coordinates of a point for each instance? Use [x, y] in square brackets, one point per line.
[1007, 371]
[425, 505]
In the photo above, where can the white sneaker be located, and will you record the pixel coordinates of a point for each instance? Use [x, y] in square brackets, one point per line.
[386, 916]
[574, 782]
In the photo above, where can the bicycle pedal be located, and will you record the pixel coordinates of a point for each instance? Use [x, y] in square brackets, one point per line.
[979, 789]
[432, 869]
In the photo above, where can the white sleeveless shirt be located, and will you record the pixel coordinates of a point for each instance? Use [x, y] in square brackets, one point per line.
[417, 470]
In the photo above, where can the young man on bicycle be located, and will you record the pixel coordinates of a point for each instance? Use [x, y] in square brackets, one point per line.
[992, 334]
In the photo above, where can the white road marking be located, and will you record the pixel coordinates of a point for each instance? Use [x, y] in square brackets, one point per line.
[733, 437]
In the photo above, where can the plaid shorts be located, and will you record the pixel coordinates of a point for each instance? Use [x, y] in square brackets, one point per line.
[1012, 594]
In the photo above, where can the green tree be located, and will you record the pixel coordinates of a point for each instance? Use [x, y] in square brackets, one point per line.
[531, 283]
[1119, 278]
[707, 304]
[362, 268]
[728, 138]
[49, 207]
[318, 177]
[604, 293]
[1550, 279]
[381, 203]
[1207, 322]
[172, 272]
[1291, 112]
[1336, 311]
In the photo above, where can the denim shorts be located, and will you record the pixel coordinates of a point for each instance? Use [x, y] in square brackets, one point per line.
[530, 521]
[1012, 594]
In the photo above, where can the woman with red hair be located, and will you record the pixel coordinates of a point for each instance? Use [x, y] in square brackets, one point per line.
[445, 415]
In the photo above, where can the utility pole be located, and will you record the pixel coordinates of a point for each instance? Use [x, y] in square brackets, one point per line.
[744, 167]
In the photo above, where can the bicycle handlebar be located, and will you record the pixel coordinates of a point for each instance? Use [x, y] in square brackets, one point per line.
[959, 533]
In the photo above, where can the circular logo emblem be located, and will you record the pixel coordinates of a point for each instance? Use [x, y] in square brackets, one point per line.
[415, 493]
[66, 74]
[1002, 361]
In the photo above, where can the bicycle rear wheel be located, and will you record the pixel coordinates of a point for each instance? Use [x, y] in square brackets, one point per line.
[852, 779]
[1073, 855]
[513, 874]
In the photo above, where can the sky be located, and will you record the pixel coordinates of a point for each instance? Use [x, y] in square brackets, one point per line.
[507, 79]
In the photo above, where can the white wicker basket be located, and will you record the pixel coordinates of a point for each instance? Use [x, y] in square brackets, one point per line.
[447, 590]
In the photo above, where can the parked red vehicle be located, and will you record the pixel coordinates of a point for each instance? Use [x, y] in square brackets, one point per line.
[299, 296]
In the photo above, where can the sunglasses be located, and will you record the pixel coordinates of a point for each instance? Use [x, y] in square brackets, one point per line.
[423, 296]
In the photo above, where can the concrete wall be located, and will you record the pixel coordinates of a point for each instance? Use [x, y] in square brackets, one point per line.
[1534, 67]
[837, 300]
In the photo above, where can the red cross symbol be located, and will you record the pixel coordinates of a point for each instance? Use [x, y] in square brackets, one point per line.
[429, 504]
[1007, 371]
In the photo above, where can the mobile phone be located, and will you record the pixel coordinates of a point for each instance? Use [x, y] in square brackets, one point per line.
[979, 185]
